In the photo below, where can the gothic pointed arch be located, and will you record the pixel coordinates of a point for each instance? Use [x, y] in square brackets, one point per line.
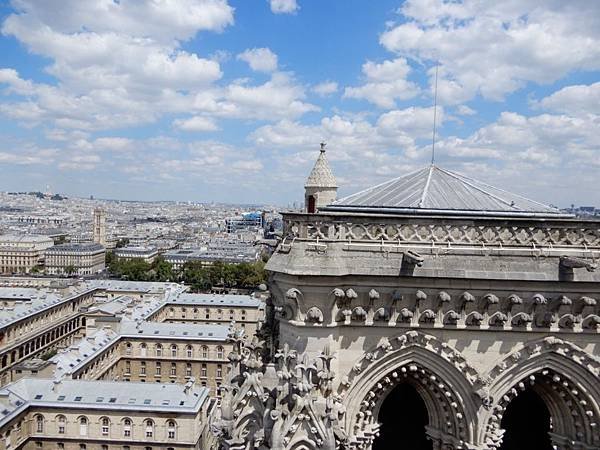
[563, 375]
[440, 375]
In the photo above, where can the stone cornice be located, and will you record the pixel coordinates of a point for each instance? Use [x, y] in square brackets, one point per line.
[453, 309]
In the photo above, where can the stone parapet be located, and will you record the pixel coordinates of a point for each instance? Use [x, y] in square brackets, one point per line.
[327, 227]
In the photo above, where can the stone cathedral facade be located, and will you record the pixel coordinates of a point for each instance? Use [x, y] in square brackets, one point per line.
[432, 311]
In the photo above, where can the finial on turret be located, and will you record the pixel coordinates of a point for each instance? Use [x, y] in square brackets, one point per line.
[320, 188]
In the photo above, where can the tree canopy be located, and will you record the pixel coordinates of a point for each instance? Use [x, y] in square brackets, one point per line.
[200, 277]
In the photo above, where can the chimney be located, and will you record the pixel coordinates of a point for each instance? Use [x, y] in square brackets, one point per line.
[189, 385]
[55, 384]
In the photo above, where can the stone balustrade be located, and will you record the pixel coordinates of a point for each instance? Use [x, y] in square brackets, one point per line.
[430, 230]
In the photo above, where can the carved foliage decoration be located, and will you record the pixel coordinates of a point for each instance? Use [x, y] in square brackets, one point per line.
[471, 309]
[306, 412]
[243, 406]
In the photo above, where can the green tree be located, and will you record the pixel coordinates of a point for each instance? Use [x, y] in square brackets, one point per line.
[136, 269]
[70, 269]
[163, 270]
[110, 258]
[49, 354]
[122, 242]
[219, 274]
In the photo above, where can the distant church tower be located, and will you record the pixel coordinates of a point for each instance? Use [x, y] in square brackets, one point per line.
[320, 188]
[100, 226]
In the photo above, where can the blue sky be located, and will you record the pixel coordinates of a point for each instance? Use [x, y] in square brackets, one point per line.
[215, 100]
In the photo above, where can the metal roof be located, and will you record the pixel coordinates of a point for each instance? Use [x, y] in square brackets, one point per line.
[224, 300]
[24, 238]
[34, 305]
[436, 190]
[72, 247]
[96, 394]
[205, 332]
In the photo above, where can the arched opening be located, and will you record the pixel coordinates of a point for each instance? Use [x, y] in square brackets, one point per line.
[527, 423]
[403, 417]
[311, 204]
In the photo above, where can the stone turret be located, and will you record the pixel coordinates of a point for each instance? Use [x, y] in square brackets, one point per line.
[321, 188]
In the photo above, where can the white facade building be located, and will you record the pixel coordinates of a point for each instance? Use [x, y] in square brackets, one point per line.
[21, 253]
[75, 259]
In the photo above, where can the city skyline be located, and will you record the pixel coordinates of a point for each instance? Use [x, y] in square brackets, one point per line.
[227, 101]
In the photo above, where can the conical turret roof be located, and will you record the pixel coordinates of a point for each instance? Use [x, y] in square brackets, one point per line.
[436, 190]
[321, 175]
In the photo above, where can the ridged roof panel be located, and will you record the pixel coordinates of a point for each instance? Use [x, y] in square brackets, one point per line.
[434, 188]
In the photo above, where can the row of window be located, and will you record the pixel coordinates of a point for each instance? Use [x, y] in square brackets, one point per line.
[61, 446]
[174, 350]
[105, 426]
[40, 341]
[173, 372]
[207, 313]
[35, 322]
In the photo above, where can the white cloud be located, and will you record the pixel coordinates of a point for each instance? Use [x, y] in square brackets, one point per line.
[284, 6]
[361, 153]
[80, 162]
[286, 133]
[89, 61]
[553, 158]
[46, 104]
[165, 20]
[464, 110]
[112, 72]
[214, 161]
[494, 48]
[574, 100]
[117, 64]
[117, 144]
[397, 129]
[546, 140]
[277, 98]
[385, 83]
[325, 88]
[23, 159]
[259, 59]
[416, 122]
[16, 84]
[196, 123]
[541, 156]
[247, 166]
[60, 135]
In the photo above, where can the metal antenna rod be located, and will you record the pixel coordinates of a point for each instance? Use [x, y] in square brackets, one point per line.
[434, 113]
